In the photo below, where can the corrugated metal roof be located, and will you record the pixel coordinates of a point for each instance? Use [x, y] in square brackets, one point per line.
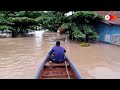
[116, 13]
[116, 22]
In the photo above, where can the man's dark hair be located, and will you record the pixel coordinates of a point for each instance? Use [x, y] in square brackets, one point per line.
[58, 43]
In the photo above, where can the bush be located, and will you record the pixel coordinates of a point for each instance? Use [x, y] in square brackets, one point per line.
[83, 44]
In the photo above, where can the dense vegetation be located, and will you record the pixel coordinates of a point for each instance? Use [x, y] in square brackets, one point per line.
[18, 22]
[81, 24]
[52, 20]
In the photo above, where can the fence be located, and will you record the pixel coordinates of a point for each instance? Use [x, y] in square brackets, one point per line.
[116, 39]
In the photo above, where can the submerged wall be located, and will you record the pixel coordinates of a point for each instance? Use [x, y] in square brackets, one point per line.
[108, 33]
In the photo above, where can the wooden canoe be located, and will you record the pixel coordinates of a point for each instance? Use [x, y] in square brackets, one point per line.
[50, 70]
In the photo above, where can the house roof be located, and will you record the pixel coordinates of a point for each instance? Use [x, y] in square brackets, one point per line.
[116, 13]
[115, 22]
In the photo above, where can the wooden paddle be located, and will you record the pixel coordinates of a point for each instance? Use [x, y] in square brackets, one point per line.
[67, 70]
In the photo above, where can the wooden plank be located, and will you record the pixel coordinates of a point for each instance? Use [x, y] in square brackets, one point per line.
[55, 69]
[55, 65]
[63, 75]
[54, 78]
[56, 72]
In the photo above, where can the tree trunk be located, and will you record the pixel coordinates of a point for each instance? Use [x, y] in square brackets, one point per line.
[22, 33]
[81, 40]
[72, 34]
[86, 38]
[14, 33]
[76, 39]
[69, 34]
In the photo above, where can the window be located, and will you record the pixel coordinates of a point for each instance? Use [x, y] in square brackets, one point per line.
[116, 39]
[107, 37]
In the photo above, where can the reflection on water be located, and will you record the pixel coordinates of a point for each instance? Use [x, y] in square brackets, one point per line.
[105, 73]
[22, 57]
[39, 34]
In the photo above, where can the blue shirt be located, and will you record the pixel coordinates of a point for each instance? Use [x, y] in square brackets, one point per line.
[59, 53]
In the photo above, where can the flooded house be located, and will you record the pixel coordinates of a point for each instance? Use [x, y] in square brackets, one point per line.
[5, 33]
[109, 30]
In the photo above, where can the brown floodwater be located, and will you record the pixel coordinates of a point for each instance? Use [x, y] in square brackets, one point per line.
[20, 58]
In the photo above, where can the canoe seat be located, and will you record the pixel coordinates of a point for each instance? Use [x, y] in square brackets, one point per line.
[55, 73]
[52, 64]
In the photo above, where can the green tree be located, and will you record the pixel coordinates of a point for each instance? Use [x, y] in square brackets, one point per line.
[52, 20]
[19, 21]
[81, 24]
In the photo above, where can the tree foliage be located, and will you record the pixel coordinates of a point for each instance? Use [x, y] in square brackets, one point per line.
[77, 33]
[52, 20]
[82, 24]
[18, 20]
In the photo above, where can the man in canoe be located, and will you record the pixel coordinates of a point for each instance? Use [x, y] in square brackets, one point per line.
[57, 53]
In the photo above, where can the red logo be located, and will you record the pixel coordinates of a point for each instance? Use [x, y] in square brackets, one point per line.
[110, 17]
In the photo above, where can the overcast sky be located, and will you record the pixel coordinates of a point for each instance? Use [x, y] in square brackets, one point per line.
[69, 13]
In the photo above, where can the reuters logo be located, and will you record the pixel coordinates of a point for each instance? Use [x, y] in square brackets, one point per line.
[107, 17]
[110, 17]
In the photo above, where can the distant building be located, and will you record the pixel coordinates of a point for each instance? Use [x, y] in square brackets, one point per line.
[109, 31]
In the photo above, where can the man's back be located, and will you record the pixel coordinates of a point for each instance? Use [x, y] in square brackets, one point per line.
[59, 52]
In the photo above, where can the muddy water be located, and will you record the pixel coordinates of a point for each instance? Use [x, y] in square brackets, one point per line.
[20, 58]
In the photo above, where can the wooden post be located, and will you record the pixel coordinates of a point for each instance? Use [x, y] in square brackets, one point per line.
[76, 39]
[67, 70]
[72, 35]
